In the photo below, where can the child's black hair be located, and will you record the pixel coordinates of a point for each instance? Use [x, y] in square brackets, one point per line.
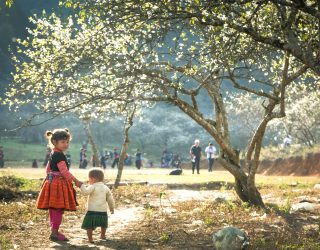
[57, 135]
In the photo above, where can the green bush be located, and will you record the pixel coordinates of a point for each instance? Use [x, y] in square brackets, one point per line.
[11, 182]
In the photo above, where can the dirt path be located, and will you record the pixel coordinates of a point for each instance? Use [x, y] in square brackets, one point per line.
[151, 222]
[123, 222]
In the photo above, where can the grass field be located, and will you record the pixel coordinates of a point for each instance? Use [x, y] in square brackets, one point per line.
[160, 175]
[19, 153]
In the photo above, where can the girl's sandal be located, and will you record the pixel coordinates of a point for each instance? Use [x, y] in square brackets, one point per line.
[59, 237]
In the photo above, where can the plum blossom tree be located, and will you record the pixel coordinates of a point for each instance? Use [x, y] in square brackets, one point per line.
[302, 114]
[302, 118]
[58, 91]
[138, 52]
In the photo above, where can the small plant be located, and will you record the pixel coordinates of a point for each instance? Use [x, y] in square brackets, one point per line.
[286, 206]
[164, 237]
[260, 242]
[162, 194]
[208, 221]
[245, 205]
[223, 186]
[284, 186]
[4, 244]
[232, 205]
[148, 213]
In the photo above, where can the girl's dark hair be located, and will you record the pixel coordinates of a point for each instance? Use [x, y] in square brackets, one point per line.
[97, 174]
[57, 135]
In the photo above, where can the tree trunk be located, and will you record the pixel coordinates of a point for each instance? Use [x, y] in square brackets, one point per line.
[87, 130]
[244, 187]
[124, 147]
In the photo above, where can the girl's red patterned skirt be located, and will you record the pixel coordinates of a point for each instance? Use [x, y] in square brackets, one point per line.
[57, 192]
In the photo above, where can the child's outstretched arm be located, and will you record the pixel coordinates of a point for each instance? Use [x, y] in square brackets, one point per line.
[110, 201]
[86, 190]
[77, 183]
[65, 171]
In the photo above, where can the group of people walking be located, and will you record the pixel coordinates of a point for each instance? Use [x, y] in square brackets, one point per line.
[195, 153]
[115, 155]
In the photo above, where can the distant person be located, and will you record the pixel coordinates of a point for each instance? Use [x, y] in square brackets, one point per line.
[100, 198]
[84, 162]
[128, 160]
[176, 161]
[107, 156]
[83, 158]
[287, 141]
[151, 164]
[168, 159]
[211, 153]
[1, 157]
[46, 157]
[34, 164]
[103, 161]
[57, 193]
[138, 159]
[195, 153]
[164, 158]
[116, 158]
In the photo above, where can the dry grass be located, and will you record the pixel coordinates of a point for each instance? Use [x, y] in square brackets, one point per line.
[177, 225]
[190, 224]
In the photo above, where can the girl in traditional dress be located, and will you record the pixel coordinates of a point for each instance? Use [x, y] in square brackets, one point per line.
[100, 198]
[57, 193]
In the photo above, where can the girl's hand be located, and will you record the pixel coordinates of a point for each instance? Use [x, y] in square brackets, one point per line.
[112, 211]
[77, 183]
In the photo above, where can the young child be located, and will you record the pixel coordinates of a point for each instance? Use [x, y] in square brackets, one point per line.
[57, 193]
[99, 199]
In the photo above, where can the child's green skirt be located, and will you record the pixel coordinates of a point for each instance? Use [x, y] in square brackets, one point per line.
[95, 219]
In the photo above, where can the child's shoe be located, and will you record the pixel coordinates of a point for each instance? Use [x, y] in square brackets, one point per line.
[58, 237]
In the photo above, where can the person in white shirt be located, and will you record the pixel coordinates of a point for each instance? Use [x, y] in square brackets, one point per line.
[287, 141]
[211, 152]
[100, 198]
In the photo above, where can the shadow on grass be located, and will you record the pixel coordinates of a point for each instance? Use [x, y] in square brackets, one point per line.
[109, 244]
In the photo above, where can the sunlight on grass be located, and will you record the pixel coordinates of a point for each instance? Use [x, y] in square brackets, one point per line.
[161, 176]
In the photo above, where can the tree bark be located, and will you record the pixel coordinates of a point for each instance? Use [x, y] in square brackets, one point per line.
[87, 130]
[124, 147]
[245, 189]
